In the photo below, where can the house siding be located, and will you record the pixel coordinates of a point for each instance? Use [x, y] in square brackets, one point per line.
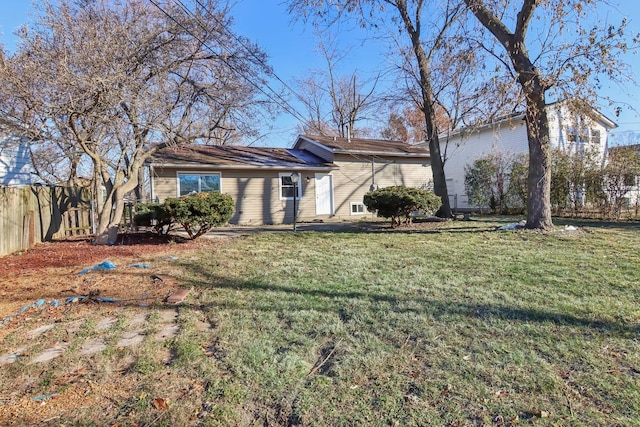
[510, 138]
[255, 192]
[15, 161]
[353, 179]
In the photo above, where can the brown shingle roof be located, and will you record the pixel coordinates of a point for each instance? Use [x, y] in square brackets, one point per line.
[369, 146]
[236, 156]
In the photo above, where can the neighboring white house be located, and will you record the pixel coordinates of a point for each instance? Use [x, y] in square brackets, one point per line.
[632, 181]
[15, 160]
[569, 131]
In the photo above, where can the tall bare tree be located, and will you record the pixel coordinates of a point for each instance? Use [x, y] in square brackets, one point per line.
[426, 24]
[119, 79]
[550, 58]
[408, 124]
[337, 103]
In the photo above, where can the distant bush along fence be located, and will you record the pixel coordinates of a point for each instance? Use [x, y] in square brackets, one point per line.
[580, 183]
[399, 203]
[196, 213]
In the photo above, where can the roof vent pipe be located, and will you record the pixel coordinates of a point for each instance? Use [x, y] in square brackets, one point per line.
[348, 134]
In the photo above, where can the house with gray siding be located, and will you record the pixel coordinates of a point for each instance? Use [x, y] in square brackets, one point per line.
[335, 173]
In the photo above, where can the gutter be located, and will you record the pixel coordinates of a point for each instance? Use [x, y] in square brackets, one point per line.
[382, 153]
[230, 167]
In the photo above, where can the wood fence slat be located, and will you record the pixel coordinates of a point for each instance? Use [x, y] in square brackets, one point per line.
[29, 215]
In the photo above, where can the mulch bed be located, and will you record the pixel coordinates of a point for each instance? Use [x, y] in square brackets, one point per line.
[50, 270]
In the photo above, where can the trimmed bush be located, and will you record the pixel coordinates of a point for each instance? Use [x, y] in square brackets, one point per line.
[196, 213]
[153, 215]
[400, 201]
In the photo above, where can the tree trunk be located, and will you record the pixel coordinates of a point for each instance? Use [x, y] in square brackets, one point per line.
[539, 179]
[113, 207]
[424, 67]
[529, 78]
[439, 178]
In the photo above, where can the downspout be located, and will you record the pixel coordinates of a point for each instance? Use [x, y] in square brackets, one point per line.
[151, 187]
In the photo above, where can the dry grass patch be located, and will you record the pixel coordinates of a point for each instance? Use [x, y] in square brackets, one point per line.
[448, 324]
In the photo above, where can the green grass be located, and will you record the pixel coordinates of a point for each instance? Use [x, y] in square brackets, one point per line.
[455, 326]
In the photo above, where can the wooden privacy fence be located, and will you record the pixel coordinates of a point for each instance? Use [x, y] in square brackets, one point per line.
[30, 215]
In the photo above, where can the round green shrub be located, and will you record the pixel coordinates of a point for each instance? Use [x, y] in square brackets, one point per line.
[399, 201]
[199, 212]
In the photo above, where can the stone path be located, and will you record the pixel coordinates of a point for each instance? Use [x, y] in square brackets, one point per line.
[166, 328]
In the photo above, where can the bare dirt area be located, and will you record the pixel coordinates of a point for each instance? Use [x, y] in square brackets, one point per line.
[57, 324]
[50, 270]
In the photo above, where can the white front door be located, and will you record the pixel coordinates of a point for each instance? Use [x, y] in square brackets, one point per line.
[324, 194]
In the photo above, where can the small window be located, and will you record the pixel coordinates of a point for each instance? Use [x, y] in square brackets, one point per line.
[595, 136]
[287, 188]
[196, 182]
[358, 208]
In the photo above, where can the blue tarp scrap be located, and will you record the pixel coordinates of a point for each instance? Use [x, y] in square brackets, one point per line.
[104, 265]
[512, 226]
[139, 265]
[46, 396]
[76, 298]
[36, 304]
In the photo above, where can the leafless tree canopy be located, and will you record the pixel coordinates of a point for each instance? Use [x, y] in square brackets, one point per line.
[337, 104]
[113, 80]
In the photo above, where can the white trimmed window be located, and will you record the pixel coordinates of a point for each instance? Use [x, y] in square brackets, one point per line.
[358, 208]
[197, 182]
[286, 187]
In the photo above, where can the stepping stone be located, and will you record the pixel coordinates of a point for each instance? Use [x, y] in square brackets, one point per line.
[8, 358]
[164, 279]
[50, 354]
[202, 325]
[178, 296]
[39, 331]
[93, 346]
[138, 319]
[167, 332]
[74, 326]
[167, 316]
[130, 338]
[106, 323]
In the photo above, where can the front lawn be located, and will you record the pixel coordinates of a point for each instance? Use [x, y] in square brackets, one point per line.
[450, 325]
[455, 326]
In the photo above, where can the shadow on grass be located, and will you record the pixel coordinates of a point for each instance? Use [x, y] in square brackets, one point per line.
[594, 223]
[474, 225]
[334, 300]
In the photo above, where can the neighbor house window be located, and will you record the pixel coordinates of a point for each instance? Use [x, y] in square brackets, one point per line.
[197, 182]
[595, 136]
[286, 187]
[358, 208]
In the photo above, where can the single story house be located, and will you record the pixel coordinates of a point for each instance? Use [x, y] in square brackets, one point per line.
[570, 131]
[15, 159]
[335, 175]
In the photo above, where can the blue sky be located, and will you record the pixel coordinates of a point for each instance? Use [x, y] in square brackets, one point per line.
[292, 50]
